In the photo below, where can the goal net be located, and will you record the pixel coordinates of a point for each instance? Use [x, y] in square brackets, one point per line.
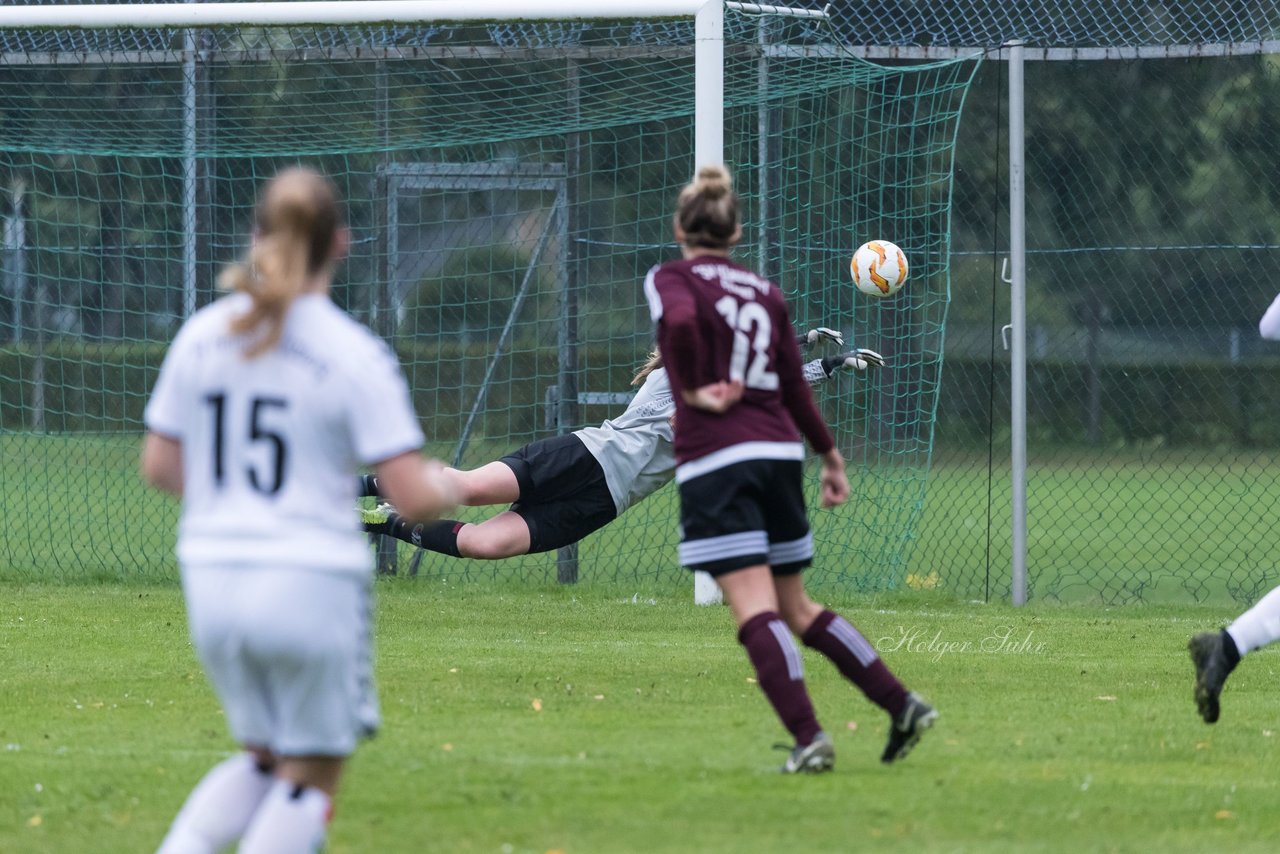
[508, 184]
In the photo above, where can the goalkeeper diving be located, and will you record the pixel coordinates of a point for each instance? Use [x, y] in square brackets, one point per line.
[562, 488]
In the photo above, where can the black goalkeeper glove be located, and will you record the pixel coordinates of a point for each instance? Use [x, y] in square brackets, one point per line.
[859, 360]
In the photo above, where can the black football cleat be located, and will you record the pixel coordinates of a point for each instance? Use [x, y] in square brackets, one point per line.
[1212, 669]
[906, 728]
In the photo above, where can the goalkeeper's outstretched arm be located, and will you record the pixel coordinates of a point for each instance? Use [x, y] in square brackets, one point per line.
[820, 370]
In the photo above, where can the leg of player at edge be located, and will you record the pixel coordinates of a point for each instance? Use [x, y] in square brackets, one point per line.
[1216, 654]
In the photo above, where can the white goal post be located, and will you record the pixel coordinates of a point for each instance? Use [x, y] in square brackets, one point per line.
[708, 18]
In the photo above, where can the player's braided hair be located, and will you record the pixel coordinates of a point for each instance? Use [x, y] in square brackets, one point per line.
[707, 209]
[295, 229]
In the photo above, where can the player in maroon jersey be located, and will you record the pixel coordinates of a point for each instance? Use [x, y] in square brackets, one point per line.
[731, 354]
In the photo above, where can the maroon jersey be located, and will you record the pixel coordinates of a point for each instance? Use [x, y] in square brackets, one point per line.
[718, 321]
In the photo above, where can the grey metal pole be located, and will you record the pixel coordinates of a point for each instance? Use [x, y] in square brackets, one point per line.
[1018, 318]
[762, 145]
[39, 315]
[568, 200]
[15, 242]
[188, 172]
[382, 320]
[769, 168]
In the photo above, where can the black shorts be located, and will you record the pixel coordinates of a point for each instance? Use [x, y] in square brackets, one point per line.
[563, 493]
[746, 514]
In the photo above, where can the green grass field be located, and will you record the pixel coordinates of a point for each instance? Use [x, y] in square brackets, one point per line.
[1111, 527]
[609, 718]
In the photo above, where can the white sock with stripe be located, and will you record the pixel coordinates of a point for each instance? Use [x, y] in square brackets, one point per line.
[291, 819]
[219, 808]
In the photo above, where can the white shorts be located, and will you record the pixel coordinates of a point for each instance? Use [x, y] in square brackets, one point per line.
[289, 654]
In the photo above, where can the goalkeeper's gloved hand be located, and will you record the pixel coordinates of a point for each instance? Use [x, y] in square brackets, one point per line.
[808, 339]
[860, 360]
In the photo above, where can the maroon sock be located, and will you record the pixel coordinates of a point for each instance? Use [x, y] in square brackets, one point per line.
[780, 672]
[834, 637]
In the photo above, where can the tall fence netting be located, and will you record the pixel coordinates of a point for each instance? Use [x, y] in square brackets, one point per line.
[1152, 238]
[508, 186]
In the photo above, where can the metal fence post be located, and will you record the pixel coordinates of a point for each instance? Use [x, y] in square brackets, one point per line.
[1018, 318]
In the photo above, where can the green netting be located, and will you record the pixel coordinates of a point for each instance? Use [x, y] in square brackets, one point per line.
[507, 188]
[1153, 410]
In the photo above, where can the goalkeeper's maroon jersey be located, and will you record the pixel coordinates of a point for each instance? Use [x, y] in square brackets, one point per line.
[717, 321]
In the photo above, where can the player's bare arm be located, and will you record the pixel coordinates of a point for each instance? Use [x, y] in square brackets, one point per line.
[162, 463]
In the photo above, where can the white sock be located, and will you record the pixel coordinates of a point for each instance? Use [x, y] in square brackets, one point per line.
[291, 820]
[1258, 626]
[219, 808]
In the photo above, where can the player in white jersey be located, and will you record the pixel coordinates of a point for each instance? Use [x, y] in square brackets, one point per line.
[1216, 654]
[268, 404]
[563, 488]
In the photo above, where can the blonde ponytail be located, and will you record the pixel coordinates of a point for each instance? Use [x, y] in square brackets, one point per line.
[296, 224]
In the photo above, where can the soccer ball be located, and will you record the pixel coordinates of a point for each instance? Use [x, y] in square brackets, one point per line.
[878, 268]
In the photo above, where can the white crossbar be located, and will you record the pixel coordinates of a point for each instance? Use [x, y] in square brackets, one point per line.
[333, 12]
[784, 11]
[359, 12]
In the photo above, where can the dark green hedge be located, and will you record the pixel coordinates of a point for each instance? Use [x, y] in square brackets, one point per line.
[87, 387]
[103, 387]
[1184, 404]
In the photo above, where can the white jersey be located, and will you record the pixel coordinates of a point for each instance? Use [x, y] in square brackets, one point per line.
[271, 446]
[635, 449]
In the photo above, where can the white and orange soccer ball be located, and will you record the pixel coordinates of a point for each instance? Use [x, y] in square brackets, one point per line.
[878, 268]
